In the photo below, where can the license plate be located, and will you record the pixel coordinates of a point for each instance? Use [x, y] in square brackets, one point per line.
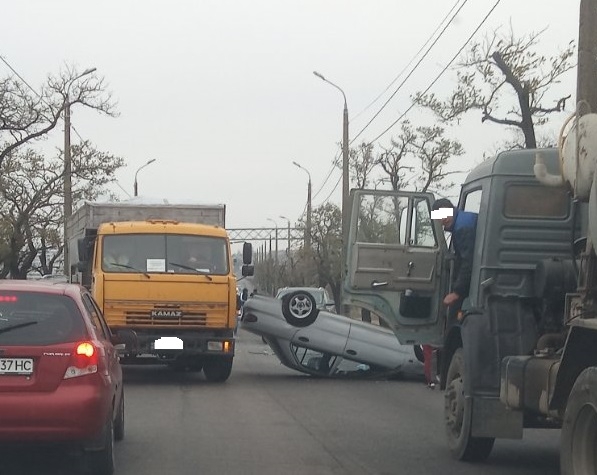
[16, 365]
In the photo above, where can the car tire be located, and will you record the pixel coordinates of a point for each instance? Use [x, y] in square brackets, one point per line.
[119, 421]
[418, 349]
[217, 370]
[101, 462]
[299, 308]
[458, 416]
[577, 451]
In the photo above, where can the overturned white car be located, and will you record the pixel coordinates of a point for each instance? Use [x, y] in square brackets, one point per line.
[322, 343]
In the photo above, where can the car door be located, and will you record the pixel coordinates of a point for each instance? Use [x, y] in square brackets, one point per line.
[397, 262]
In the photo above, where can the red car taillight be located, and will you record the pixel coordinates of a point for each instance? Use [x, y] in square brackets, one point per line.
[83, 360]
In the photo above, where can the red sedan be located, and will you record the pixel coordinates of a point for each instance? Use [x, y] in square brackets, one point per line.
[60, 377]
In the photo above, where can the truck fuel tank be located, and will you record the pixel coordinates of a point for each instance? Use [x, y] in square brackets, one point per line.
[527, 382]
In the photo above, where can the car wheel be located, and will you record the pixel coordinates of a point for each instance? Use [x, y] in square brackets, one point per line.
[101, 462]
[458, 416]
[577, 451]
[418, 349]
[299, 308]
[119, 421]
[217, 370]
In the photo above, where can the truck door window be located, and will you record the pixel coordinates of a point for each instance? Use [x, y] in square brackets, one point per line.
[381, 219]
[472, 201]
[421, 233]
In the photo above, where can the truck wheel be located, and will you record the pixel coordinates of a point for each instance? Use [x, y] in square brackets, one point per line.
[217, 370]
[579, 429]
[299, 308]
[458, 416]
[195, 364]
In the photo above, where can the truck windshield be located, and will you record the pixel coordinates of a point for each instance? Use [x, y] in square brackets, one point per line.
[171, 253]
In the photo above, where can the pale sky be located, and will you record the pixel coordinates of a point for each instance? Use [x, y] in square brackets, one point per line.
[221, 93]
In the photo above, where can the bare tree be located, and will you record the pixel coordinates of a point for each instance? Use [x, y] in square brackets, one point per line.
[32, 193]
[433, 151]
[361, 162]
[27, 116]
[393, 160]
[509, 82]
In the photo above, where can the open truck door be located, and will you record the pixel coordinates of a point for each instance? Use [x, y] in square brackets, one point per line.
[398, 263]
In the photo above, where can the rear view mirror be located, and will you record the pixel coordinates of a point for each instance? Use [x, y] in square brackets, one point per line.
[248, 270]
[85, 248]
[247, 253]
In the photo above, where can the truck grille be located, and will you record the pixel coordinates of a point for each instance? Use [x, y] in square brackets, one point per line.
[206, 314]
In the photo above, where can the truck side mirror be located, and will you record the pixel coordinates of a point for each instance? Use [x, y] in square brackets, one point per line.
[84, 247]
[248, 270]
[247, 253]
[82, 250]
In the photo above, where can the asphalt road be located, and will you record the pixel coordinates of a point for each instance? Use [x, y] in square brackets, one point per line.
[267, 419]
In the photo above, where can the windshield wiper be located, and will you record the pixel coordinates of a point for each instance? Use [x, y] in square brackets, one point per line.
[126, 266]
[196, 271]
[18, 325]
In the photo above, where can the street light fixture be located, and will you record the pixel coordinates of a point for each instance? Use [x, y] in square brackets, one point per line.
[288, 245]
[345, 184]
[308, 226]
[275, 257]
[68, 188]
[135, 187]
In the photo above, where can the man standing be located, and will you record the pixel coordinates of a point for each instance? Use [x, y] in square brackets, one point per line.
[463, 227]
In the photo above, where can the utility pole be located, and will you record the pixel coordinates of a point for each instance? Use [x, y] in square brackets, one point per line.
[345, 187]
[288, 235]
[586, 87]
[68, 189]
[308, 238]
[308, 224]
[68, 195]
[275, 255]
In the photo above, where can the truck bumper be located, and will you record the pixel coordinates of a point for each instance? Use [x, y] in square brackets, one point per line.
[169, 344]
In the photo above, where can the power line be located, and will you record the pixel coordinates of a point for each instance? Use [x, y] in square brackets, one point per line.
[410, 73]
[391, 83]
[442, 71]
[411, 60]
[20, 77]
[425, 91]
[333, 189]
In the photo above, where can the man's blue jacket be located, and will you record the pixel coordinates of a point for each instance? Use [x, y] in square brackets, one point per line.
[464, 230]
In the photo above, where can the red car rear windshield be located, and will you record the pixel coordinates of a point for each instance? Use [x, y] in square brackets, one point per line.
[33, 318]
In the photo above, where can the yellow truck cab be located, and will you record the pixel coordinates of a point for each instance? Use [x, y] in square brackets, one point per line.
[170, 282]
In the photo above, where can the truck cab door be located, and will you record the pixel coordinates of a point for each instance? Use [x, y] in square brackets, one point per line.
[398, 263]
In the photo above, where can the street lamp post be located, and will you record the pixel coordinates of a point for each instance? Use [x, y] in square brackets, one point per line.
[135, 187]
[345, 184]
[308, 226]
[275, 256]
[68, 189]
[288, 245]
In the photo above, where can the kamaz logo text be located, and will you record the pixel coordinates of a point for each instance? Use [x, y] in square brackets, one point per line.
[166, 313]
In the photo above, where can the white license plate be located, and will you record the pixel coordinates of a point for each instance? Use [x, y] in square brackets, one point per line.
[16, 365]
